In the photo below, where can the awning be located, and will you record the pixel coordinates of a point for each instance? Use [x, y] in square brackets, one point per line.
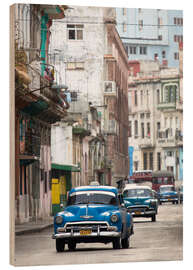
[71, 168]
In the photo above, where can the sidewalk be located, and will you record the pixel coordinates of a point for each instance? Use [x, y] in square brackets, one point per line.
[33, 226]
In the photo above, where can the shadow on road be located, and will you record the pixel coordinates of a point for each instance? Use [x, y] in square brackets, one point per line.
[142, 221]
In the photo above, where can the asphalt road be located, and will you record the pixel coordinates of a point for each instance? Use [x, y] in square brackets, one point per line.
[152, 241]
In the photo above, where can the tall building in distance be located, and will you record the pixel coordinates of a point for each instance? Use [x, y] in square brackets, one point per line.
[151, 34]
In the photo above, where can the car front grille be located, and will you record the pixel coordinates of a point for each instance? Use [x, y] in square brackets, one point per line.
[78, 226]
[138, 208]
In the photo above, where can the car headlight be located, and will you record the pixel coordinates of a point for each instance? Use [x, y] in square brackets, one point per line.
[59, 220]
[114, 218]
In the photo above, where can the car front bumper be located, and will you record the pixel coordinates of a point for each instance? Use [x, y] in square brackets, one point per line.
[168, 199]
[142, 212]
[92, 234]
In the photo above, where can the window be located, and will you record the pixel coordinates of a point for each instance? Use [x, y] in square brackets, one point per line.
[135, 97]
[160, 37]
[170, 93]
[145, 161]
[143, 50]
[142, 115]
[147, 98]
[136, 128]
[176, 56]
[75, 31]
[130, 129]
[136, 165]
[178, 21]
[158, 128]
[132, 49]
[158, 96]
[166, 121]
[178, 38]
[148, 130]
[170, 153]
[141, 97]
[147, 115]
[170, 168]
[159, 161]
[124, 11]
[140, 24]
[151, 161]
[155, 56]
[142, 131]
[163, 54]
[160, 22]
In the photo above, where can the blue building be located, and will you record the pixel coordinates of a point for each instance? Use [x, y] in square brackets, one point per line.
[151, 34]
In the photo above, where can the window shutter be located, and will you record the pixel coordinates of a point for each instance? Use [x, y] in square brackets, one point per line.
[166, 91]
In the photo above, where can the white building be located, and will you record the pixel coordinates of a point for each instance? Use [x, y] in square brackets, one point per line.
[155, 119]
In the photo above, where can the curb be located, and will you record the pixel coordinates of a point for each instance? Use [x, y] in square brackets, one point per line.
[33, 230]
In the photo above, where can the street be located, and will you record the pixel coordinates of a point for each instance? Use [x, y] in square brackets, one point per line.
[152, 241]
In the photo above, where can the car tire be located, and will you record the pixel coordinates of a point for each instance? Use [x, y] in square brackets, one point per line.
[116, 243]
[125, 242]
[160, 203]
[60, 245]
[173, 202]
[72, 245]
[153, 218]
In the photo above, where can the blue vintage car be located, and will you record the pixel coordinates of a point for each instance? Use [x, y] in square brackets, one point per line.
[140, 201]
[93, 214]
[167, 193]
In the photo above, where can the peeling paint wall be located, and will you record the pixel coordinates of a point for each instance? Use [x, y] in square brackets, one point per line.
[61, 144]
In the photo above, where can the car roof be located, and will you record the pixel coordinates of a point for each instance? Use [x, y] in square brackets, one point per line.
[102, 188]
[134, 186]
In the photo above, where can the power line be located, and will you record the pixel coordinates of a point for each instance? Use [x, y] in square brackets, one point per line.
[117, 23]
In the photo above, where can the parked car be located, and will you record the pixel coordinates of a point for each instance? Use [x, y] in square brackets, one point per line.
[167, 193]
[140, 201]
[93, 214]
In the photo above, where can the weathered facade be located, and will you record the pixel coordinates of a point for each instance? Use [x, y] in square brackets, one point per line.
[96, 72]
[37, 106]
[155, 117]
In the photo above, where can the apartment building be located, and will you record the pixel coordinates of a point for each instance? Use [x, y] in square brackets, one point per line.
[155, 118]
[152, 34]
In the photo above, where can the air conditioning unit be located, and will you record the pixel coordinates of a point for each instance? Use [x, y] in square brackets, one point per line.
[110, 87]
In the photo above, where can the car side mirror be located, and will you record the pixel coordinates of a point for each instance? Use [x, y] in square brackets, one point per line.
[122, 205]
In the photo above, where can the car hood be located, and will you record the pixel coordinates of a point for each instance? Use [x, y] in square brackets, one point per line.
[137, 200]
[89, 212]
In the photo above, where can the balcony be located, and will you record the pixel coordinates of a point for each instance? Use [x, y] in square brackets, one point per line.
[146, 143]
[167, 106]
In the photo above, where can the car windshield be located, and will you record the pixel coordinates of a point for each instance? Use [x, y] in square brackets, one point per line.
[137, 193]
[92, 198]
[166, 189]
